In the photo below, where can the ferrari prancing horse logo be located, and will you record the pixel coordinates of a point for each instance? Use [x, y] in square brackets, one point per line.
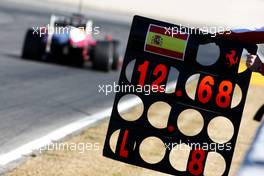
[232, 60]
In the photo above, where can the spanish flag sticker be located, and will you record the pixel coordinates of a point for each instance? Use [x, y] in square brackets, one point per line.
[166, 42]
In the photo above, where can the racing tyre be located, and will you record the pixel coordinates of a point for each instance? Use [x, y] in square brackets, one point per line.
[103, 55]
[32, 48]
[115, 64]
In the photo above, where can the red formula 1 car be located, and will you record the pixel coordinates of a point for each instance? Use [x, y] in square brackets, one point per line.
[69, 40]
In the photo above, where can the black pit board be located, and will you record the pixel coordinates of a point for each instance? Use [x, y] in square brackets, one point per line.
[150, 46]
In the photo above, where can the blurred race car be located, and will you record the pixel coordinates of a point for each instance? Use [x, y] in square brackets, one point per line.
[69, 40]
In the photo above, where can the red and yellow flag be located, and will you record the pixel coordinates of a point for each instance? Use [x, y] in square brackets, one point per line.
[165, 42]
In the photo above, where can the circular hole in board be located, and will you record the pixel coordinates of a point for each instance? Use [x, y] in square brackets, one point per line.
[152, 150]
[124, 102]
[179, 155]
[159, 119]
[208, 54]
[215, 164]
[113, 140]
[191, 85]
[129, 70]
[237, 96]
[190, 122]
[172, 80]
[242, 64]
[220, 129]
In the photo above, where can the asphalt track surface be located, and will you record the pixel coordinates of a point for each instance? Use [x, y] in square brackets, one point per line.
[37, 98]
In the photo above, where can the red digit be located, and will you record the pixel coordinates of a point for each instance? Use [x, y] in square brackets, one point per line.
[162, 69]
[223, 97]
[205, 87]
[143, 72]
[195, 166]
[123, 151]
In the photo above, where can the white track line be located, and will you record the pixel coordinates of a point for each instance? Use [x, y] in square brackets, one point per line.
[62, 132]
